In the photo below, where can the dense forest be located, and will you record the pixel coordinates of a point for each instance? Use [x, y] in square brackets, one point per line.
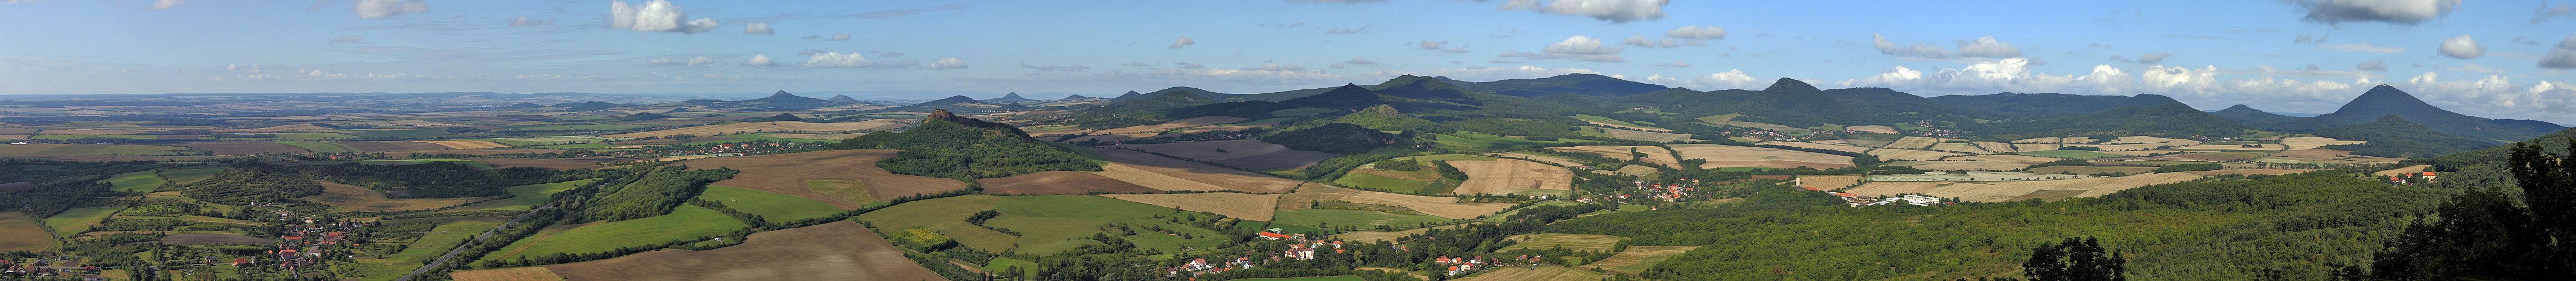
[967, 149]
[654, 194]
[252, 181]
[2392, 136]
[430, 180]
[1337, 138]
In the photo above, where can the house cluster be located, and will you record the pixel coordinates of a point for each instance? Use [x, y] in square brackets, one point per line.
[1858, 200]
[1930, 131]
[1462, 265]
[1760, 134]
[1302, 248]
[2404, 178]
[38, 269]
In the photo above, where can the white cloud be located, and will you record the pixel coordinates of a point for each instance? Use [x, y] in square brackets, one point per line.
[2153, 58]
[1673, 64]
[2371, 65]
[1357, 60]
[1986, 47]
[2546, 12]
[1432, 45]
[2562, 56]
[2362, 48]
[839, 37]
[163, 4]
[758, 28]
[1454, 50]
[948, 63]
[1074, 68]
[852, 60]
[760, 61]
[1183, 42]
[1576, 48]
[2305, 38]
[2461, 47]
[1641, 41]
[1697, 33]
[1608, 10]
[385, 8]
[349, 39]
[524, 21]
[655, 16]
[1276, 67]
[2406, 12]
[692, 62]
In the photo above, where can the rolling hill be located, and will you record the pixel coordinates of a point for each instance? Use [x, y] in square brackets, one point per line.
[2049, 104]
[2385, 100]
[2253, 117]
[1584, 84]
[2392, 136]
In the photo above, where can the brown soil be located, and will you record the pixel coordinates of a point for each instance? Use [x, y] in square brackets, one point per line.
[1174, 124]
[1174, 174]
[1759, 157]
[1257, 207]
[362, 199]
[390, 146]
[787, 173]
[1508, 174]
[286, 128]
[837, 250]
[1535, 157]
[1059, 183]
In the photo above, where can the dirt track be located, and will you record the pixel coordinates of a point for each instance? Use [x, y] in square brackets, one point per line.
[837, 250]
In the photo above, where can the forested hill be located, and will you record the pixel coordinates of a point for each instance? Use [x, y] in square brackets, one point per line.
[2253, 117]
[2495, 156]
[950, 146]
[2392, 136]
[2385, 100]
[1584, 84]
[2048, 104]
[252, 181]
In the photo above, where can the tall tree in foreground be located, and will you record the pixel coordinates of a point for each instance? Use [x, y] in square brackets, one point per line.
[2076, 259]
[2483, 234]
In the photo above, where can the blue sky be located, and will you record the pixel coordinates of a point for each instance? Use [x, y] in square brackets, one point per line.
[2514, 63]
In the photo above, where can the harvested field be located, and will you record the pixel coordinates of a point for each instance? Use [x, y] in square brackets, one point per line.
[13, 137]
[1758, 157]
[2028, 147]
[1962, 165]
[1970, 176]
[456, 144]
[244, 147]
[1174, 174]
[1636, 170]
[1446, 207]
[1257, 207]
[1508, 174]
[1542, 273]
[1908, 154]
[780, 126]
[1828, 182]
[1536, 157]
[555, 163]
[1580, 242]
[2252, 172]
[1654, 154]
[1882, 129]
[2088, 170]
[211, 238]
[285, 128]
[1641, 135]
[505, 274]
[2262, 147]
[2004, 158]
[1060, 183]
[2178, 157]
[828, 251]
[2003, 191]
[2299, 143]
[1244, 154]
[19, 232]
[391, 146]
[787, 173]
[108, 158]
[1837, 147]
[1639, 258]
[1865, 143]
[356, 198]
[1913, 143]
[1174, 124]
[1959, 147]
[488, 151]
[2402, 171]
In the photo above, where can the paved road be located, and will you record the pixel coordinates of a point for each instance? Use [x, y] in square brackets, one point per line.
[442, 259]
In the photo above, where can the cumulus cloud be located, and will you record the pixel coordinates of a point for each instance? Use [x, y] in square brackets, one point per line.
[760, 61]
[852, 60]
[2407, 12]
[1074, 68]
[1357, 60]
[2305, 38]
[1731, 79]
[1355, 30]
[385, 8]
[1608, 10]
[2547, 12]
[2153, 58]
[1641, 41]
[2461, 47]
[1697, 33]
[1183, 42]
[349, 39]
[758, 28]
[1986, 47]
[2362, 48]
[1577, 48]
[2562, 56]
[948, 63]
[1191, 66]
[524, 21]
[655, 16]
[1673, 64]
[165, 4]
[2371, 65]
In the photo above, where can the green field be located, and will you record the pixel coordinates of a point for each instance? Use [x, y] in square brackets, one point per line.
[297, 136]
[191, 175]
[1047, 224]
[948, 217]
[1289, 228]
[321, 147]
[400, 133]
[75, 137]
[1607, 120]
[1352, 218]
[478, 165]
[527, 196]
[770, 206]
[449, 232]
[1741, 169]
[1205, 239]
[77, 220]
[684, 223]
[1472, 141]
[1258, 122]
[552, 140]
[125, 149]
[1496, 218]
[1000, 264]
[759, 136]
[2070, 154]
[1447, 157]
[143, 181]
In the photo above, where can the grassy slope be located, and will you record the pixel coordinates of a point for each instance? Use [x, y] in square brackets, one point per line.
[449, 232]
[1048, 224]
[191, 175]
[143, 181]
[1358, 218]
[770, 206]
[525, 197]
[686, 222]
[77, 220]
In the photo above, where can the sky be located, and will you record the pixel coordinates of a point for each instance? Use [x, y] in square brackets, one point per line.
[2495, 59]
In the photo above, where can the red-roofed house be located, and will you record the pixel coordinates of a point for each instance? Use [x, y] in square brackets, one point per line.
[1273, 236]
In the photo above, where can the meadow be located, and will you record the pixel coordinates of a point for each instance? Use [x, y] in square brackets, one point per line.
[684, 223]
[770, 206]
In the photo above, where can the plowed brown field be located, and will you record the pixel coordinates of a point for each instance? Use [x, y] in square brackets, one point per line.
[1174, 174]
[1245, 154]
[833, 251]
[787, 173]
